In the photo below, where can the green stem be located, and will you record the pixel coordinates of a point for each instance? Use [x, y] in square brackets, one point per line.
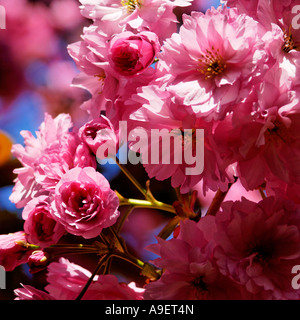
[136, 203]
[129, 258]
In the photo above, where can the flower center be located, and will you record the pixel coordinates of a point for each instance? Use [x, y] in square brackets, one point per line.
[131, 4]
[263, 252]
[200, 288]
[189, 138]
[92, 130]
[289, 43]
[278, 132]
[211, 64]
[100, 77]
[199, 284]
[44, 226]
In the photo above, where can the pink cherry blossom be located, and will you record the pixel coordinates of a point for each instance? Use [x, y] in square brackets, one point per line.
[38, 261]
[84, 203]
[204, 101]
[261, 137]
[90, 56]
[101, 76]
[189, 272]
[98, 131]
[41, 229]
[31, 293]
[245, 6]
[46, 158]
[13, 251]
[257, 244]
[214, 74]
[158, 111]
[278, 17]
[266, 12]
[130, 54]
[277, 12]
[134, 15]
[67, 279]
[278, 188]
[280, 52]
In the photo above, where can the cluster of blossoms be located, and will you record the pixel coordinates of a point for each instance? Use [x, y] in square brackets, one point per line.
[233, 72]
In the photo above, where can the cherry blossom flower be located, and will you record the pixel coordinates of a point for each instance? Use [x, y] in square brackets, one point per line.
[84, 203]
[90, 56]
[103, 74]
[31, 293]
[257, 244]
[159, 112]
[41, 229]
[212, 104]
[38, 261]
[189, 271]
[135, 15]
[262, 137]
[13, 250]
[46, 158]
[216, 73]
[98, 131]
[245, 6]
[130, 54]
[277, 12]
[67, 279]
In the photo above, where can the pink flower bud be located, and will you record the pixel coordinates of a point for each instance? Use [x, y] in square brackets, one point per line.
[98, 131]
[131, 54]
[38, 261]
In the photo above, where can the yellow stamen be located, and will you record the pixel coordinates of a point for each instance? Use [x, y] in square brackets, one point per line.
[211, 64]
[289, 43]
[101, 77]
[131, 4]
